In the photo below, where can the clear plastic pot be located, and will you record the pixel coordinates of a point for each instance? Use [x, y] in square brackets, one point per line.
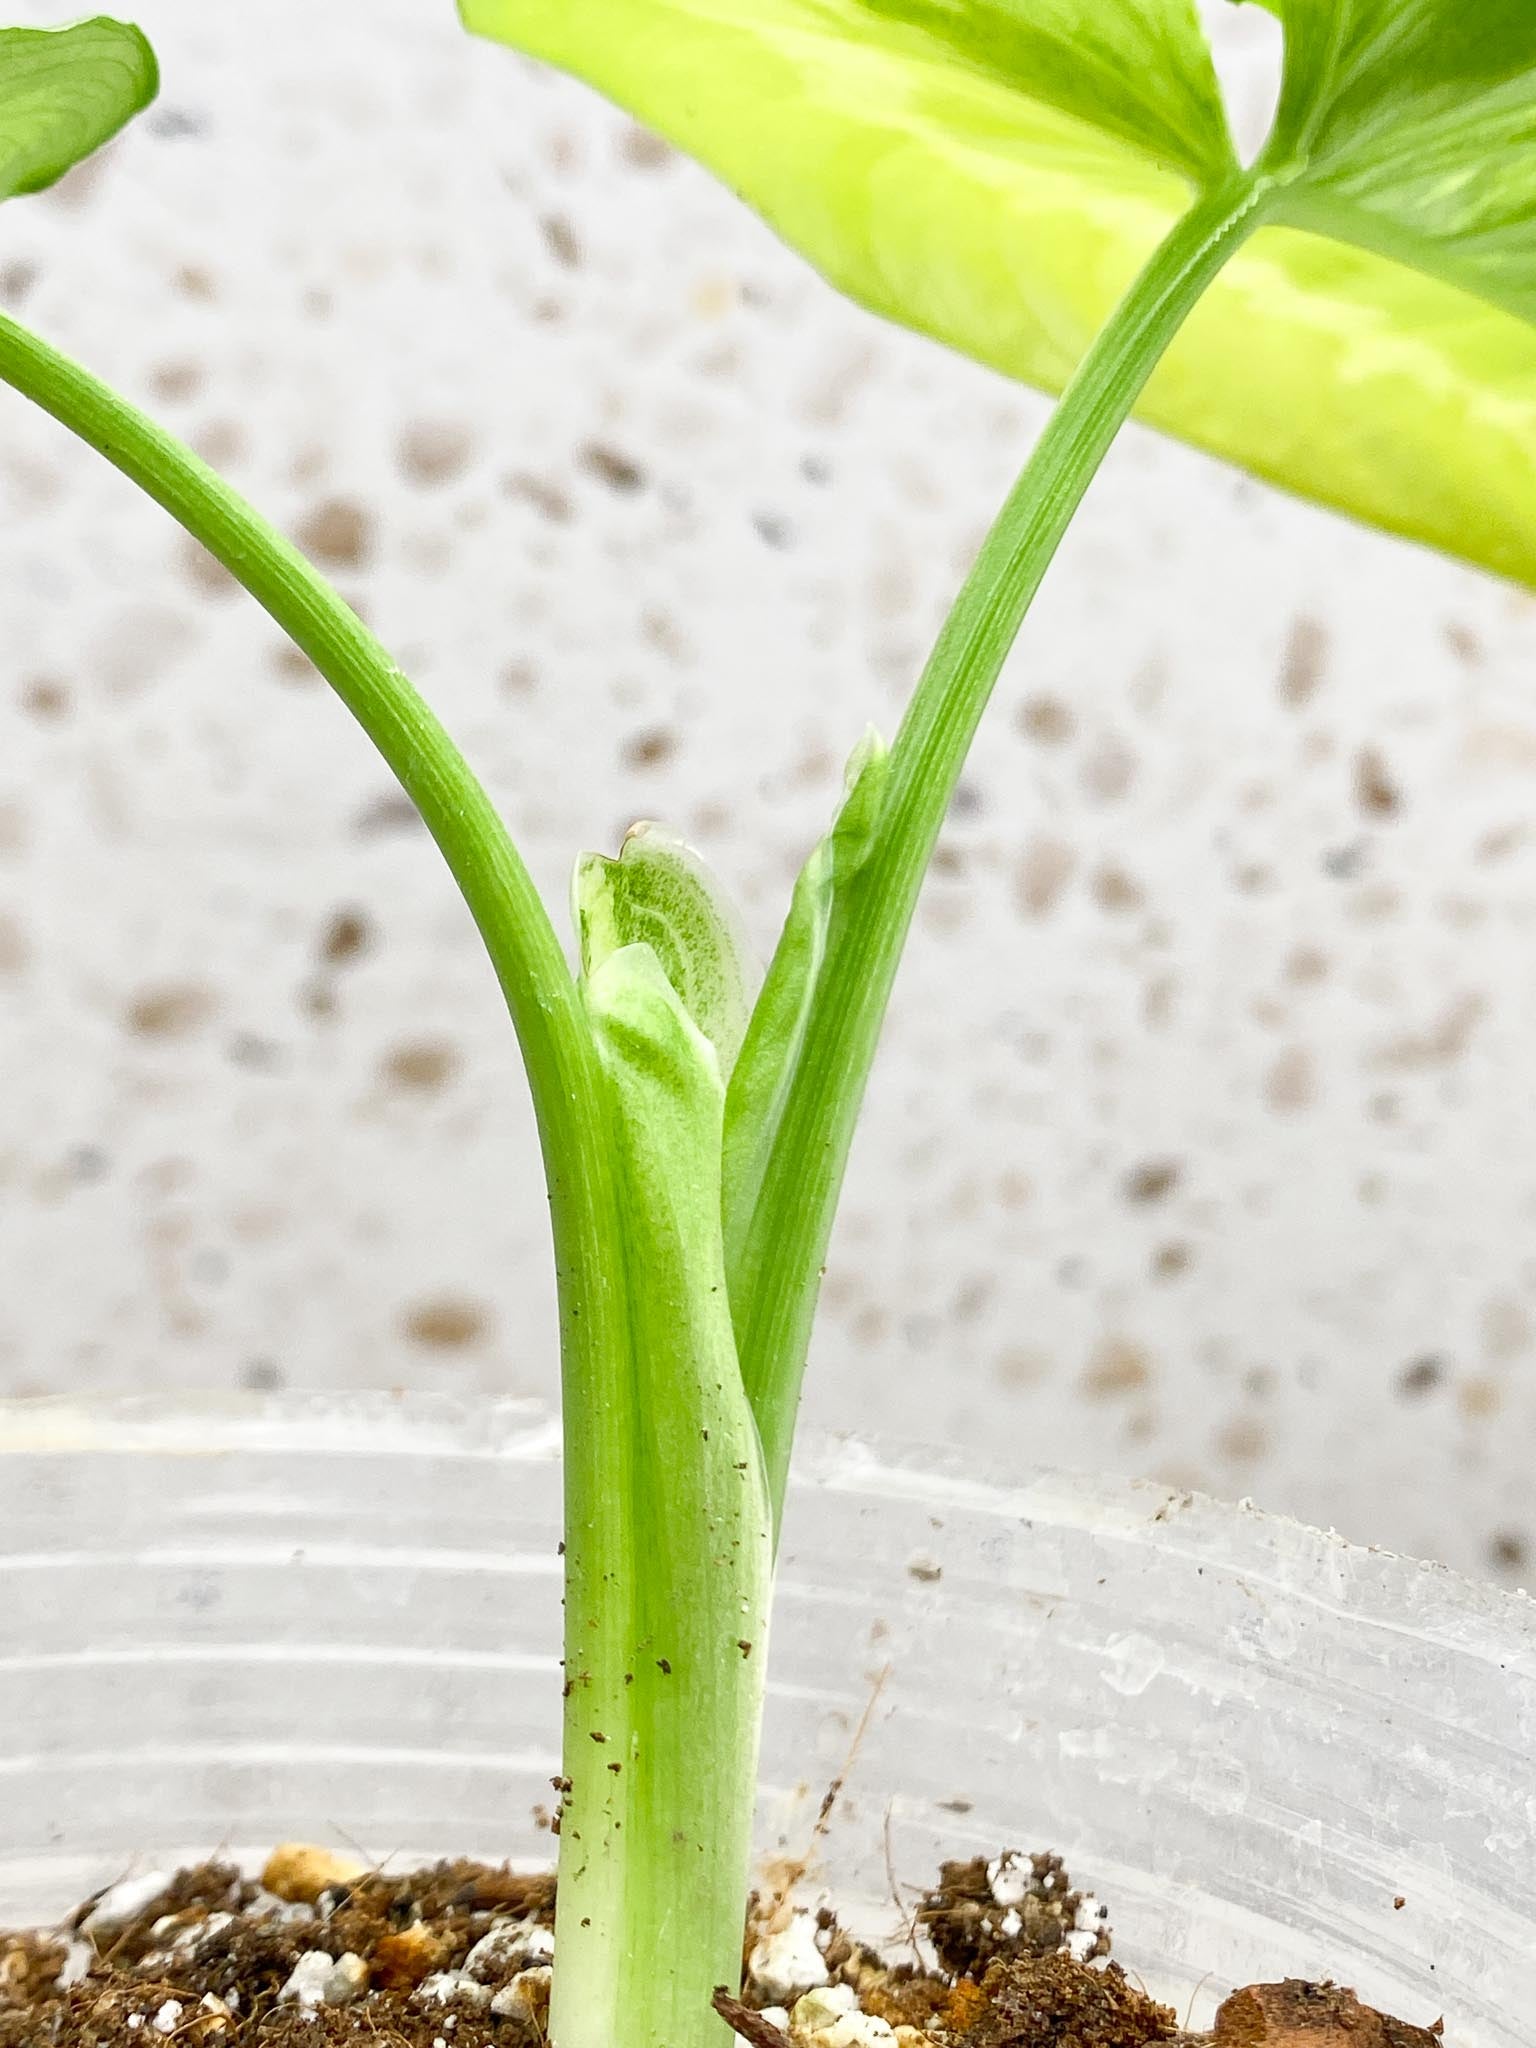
[1272, 1753]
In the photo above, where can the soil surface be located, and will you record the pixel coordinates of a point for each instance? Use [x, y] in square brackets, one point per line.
[1003, 1953]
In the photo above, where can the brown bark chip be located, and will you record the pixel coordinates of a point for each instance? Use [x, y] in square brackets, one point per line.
[1296, 2014]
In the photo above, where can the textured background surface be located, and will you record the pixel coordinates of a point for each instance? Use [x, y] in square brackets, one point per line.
[1203, 1141]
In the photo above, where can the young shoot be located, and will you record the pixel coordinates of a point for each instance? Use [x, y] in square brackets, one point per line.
[1050, 185]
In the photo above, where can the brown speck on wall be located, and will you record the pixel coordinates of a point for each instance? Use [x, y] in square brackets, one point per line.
[1117, 1368]
[1109, 770]
[435, 452]
[1508, 1551]
[1421, 1376]
[1443, 1042]
[1117, 892]
[1291, 1083]
[1242, 1440]
[207, 575]
[47, 700]
[653, 748]
[1045, 868]
[545, 496]
[175, 383]
[292, 666]
[221, 443]
[1301, 670]
[14, 950]
[1306, 966]
[390, 812]
[1479, 1397]
[561, 239]
[337, 533]
[1018, 1366]
[173, 1011]
[1464, 643]
[449, 1323]
[347, 937]
[1506, 1329]
[421, 1068]
[1047, 721]
[1152, 1180]
[643, 151]
[1376, 793]
[612, 468]
[195, 283]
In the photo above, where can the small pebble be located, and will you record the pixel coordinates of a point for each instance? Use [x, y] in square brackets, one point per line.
[168, 2018]
[125, 1902]
[831, 2018]
[299, 1872]
[526, 1998]
[821, 2007]
[787, 1962]
[443, 1987]
[853, 2030]
[76, 1966]
[348, 1979]
[511, 1945]
[401, 1961]
[1008, 1877]
[307, 1980]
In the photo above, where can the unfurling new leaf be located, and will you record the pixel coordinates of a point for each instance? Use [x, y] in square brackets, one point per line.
[760, 1086]
[63, 93]
[763, 1084]
[659, 893]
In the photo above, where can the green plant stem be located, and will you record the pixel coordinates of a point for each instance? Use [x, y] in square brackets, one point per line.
[776, 1280]
[571, 1094]
[656, 1825]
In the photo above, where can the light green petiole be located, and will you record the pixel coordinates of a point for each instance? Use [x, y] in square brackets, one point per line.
[783, 1223]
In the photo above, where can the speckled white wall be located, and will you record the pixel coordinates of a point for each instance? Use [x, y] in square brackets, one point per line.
[1203, 1141]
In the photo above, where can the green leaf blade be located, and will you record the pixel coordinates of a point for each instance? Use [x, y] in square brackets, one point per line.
[1409, 128]
[967, 181]
[63, 93]
[945, 177]
[1365, 386]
